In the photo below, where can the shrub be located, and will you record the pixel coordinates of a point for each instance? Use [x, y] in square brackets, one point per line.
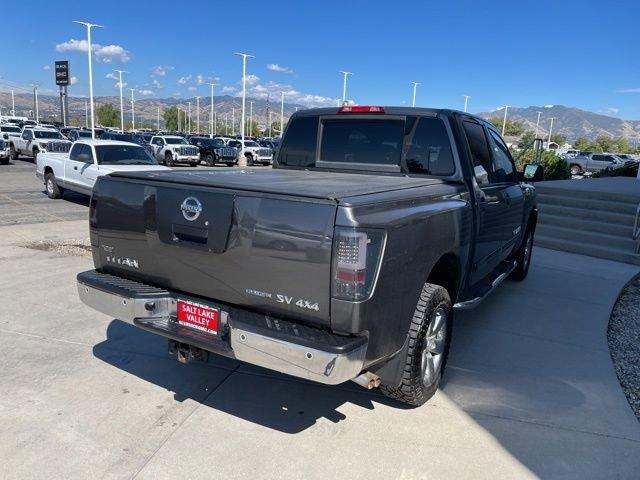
[555, 168]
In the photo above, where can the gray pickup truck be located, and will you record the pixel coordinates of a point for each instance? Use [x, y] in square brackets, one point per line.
[345, 261]
[588, 162]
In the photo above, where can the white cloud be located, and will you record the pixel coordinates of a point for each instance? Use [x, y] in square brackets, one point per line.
[112, 76]
[200, 79]
[102, 53]
[73, 80]
[192, 89]
[156, 84]
[549, 106]
[177, 94]
[145, 92]
[228, 89]
[273, 90]
[160, 71]
[124, 84]
[274, 67]
[613, 110]
[47, 67]
[184, 80]
[629, 90]
[250, 79]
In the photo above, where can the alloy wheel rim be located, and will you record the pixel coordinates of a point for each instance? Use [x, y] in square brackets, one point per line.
[434, 346]
[49, 186]
[527, 250]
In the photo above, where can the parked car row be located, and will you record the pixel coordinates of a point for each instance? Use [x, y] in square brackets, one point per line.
[168, 148]
[590, 162]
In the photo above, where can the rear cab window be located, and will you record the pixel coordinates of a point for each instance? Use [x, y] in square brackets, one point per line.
[413, 145]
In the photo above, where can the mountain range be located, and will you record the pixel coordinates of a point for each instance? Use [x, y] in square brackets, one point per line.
[569, 121]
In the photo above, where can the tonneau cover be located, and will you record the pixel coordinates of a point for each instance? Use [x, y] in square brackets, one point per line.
[301, 183]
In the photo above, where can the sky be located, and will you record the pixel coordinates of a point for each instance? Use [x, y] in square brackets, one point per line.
[576, 53]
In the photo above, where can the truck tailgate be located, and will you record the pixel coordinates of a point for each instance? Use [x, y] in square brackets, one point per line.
[267, 252]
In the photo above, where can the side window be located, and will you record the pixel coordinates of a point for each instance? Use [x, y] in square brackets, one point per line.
[479, 151]
[430, 151]
[89, 151]
[25, 135]
[598, 158]
[503, 171]
[299, 146]
[75, 151]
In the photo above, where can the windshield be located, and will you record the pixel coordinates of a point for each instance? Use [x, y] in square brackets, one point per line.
[44, 134]
[10, 129]
[251, 144]
[124, 137]
[123, 155]
[175, 141]
[83, 134]
[362, 141]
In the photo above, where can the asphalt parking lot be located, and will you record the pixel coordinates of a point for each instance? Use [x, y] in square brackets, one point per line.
[529, 392]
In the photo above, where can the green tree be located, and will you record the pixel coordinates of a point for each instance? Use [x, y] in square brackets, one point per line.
[559, 139]
[555, 168]
[511, 128]
[526, 139]
[582, 143]
[108, 115]
[171, 118]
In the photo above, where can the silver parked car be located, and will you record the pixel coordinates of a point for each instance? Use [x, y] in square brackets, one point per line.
[588, 162]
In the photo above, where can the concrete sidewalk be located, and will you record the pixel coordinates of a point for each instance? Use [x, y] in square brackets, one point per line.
[530, 391]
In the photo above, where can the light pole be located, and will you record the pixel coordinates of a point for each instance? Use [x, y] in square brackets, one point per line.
[466, 102]
[270, 125]
[251, 118]
[89, 26]
[86, 115]
[415, 87]
[158, 125]
[504, 120]
[35, 99]
[178, 118]
[538, 124]
[226, 124]
[13, 104]
[198, 115]
[233, 122]
[244, 100]
[188, 122]
[120, 72]
[211, 115]
[550, 129]
[133, 111]
[281, 114]
[344, 84]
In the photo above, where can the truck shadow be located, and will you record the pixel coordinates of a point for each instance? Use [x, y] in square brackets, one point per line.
[73, 197]
[277, 401]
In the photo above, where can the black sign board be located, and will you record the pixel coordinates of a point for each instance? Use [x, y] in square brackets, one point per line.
[62, 72]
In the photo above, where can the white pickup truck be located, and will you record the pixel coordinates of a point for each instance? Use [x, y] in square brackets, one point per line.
[87, 160]
[170, 149]
[36, 140]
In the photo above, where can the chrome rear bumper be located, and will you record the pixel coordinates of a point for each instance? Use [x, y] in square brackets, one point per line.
[276, 344]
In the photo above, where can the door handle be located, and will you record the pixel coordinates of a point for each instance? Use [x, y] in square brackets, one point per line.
[75, 168]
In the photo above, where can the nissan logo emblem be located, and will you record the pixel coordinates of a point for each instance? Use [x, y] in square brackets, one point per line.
[191, 208]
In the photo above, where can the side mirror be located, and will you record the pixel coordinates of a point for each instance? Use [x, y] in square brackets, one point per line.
[83, 157]
[533, 172]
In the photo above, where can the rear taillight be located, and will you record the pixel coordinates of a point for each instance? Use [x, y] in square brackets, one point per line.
[360, 109]
[356, 260]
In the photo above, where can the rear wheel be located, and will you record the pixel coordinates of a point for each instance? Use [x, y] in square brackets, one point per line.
[168, 159]
[249, 160]
[576, 170]
[35, 154]
[14, 152]
[53, 191]
[429, 339]
[210, 160]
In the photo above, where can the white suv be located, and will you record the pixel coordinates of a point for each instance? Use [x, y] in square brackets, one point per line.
[253, 152]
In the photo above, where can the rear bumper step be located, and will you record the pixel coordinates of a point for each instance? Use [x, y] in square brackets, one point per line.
[268, 342]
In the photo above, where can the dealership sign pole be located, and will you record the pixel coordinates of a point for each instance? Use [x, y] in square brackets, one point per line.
[62, 80]
[89, 26]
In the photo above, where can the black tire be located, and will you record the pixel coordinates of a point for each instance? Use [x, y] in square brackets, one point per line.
[210, 160]
[52, 188]
[35, 154]
[523, 257]
[4, 161]
[193, 164]
[249, 160]
[575, 169]
[14, 152]
[231, 164]
[418, 385]
[168, 159]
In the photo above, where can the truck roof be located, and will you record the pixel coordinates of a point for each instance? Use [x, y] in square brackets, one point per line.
[97, 142]
[388, 110]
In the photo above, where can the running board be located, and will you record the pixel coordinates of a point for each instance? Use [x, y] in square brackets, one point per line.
[474, 302]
